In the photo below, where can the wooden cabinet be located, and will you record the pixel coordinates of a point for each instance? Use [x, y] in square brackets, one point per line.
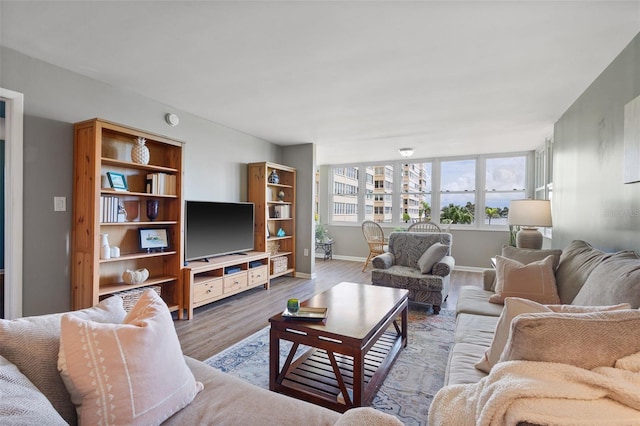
[224, 276]
[275, 206]
[103, 147]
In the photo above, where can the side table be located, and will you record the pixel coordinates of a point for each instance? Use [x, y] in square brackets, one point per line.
[326, 247]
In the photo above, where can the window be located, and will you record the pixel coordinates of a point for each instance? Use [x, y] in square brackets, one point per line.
[505, 180]
[457, 191]
[383, 187]
[416, 191]
[471, 191]
[345, 194]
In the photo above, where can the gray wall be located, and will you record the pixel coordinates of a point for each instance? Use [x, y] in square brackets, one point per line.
[54, 100]
[302, 157]
[590, 200]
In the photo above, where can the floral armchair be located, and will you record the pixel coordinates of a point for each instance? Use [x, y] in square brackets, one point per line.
[419, 262]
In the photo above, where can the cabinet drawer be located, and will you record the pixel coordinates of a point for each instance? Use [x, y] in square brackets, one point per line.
[207, 289]
[235, 282]
[258, 275]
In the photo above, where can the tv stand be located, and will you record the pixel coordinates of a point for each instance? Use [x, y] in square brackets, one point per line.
[206, 281]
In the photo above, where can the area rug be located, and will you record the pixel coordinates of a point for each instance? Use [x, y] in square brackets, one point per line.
[410, 386]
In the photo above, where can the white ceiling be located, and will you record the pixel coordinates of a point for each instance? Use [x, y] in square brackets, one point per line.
[358, 78]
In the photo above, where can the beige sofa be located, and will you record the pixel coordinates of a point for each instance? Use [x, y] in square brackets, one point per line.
[584, 276]
[32, 391]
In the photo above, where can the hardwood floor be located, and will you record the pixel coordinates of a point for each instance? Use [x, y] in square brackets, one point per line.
[219, 325]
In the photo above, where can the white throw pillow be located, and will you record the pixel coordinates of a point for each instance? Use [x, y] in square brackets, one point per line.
[586, 340]
[431, 256]
[514, 306]
[131, 373]
[535, 281]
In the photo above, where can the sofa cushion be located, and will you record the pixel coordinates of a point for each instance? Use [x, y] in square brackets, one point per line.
[21, 403]
[228, 400]
[475, 329]
[577, 261]
[534, 281]
[585, 340]
[527, 256]
[615, 280]
[474, 300]
[513, 307]
[409, 278]
[32, 343]
[129, 373]
[460, 368]
[430, 257]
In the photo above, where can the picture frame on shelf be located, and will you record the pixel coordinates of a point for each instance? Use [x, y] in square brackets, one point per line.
[153, 239]
[117, 181]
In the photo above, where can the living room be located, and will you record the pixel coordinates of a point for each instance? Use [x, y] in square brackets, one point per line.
[591, 202]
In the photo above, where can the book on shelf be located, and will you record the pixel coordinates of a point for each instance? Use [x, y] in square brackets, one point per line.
[109, 208]
[161, 184]
[283, 211]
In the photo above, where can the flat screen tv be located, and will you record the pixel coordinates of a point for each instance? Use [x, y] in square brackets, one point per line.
[217, 228]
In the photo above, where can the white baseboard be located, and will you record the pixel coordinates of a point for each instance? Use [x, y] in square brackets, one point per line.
[362, 259]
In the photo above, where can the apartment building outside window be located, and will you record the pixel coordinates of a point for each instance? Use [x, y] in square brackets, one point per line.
[469, 192]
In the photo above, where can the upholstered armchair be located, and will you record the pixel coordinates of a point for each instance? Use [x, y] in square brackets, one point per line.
[420, 262]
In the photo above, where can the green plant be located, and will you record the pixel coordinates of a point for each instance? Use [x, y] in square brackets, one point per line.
[322, 233]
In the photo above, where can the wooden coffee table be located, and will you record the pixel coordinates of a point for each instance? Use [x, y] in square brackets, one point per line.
[351, 351]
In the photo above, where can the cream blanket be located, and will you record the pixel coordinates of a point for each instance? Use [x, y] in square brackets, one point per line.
[544, 393]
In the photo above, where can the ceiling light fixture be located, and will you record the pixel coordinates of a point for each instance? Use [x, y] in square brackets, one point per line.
[406, 152]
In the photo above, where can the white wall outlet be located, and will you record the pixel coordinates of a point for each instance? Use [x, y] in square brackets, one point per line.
[59, 204]
[306, 252]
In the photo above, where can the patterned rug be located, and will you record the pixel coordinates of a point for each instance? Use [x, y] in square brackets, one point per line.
[408, 389]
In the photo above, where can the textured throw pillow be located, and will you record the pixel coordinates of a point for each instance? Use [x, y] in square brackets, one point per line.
[32, 344]
[21, 403]
[431, 256]
[132, 373]
[585, 340]
[527, 256]
[534, 281]
[615, 280]
[514, 306]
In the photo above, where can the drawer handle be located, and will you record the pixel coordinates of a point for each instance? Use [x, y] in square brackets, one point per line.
[209, 291]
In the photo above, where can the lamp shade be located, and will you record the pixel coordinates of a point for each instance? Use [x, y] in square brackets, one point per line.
[531, 213]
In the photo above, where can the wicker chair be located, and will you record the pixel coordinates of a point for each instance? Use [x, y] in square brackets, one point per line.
[424, 227]
[374, 235]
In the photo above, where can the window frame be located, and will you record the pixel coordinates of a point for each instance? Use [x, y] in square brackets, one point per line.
[435, 193]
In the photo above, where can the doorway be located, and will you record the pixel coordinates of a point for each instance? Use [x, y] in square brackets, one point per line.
[13, 185]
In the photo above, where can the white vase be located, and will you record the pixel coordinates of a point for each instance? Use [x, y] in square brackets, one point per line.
[140, 152]
[105, 251]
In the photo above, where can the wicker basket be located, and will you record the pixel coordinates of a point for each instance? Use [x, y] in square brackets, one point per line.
[130, 297]
[278, 264]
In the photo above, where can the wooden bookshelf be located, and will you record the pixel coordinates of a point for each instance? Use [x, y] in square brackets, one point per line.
[101, 146]
[269, 217]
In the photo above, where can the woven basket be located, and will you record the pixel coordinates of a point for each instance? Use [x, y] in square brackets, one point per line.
[131, 297]
[278, 264]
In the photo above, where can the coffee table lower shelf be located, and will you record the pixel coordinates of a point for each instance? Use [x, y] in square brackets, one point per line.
[312, 376]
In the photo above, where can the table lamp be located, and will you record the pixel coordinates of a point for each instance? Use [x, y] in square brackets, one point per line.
[530, 214]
